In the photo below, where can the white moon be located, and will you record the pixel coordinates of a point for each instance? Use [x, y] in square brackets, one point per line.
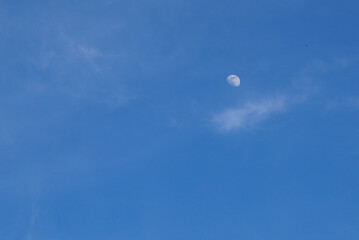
[234, 80]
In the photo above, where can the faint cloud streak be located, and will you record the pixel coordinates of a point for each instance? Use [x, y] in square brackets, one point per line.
[250, 113]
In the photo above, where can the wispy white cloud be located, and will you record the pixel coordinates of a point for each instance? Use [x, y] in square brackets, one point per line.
[33, 219]
[80, 71]
[88, 52]
[64, 52]
[248, 114]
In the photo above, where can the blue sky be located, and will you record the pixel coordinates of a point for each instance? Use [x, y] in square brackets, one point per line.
[116, 120]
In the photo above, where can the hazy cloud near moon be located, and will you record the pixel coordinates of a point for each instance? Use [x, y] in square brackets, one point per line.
[234, 80]
[248, 114]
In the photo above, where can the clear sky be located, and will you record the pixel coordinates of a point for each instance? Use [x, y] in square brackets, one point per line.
[116, 120]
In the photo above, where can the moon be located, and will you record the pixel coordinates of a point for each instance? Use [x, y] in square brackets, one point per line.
[234, 80]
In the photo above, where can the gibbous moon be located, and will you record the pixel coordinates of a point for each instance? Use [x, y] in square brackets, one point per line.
[234, 80]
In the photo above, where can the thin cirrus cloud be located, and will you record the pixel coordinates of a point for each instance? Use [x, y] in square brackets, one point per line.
[252, 112]
[80, 71]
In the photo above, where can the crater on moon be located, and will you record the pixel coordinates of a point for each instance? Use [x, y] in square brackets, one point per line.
[234, 80]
